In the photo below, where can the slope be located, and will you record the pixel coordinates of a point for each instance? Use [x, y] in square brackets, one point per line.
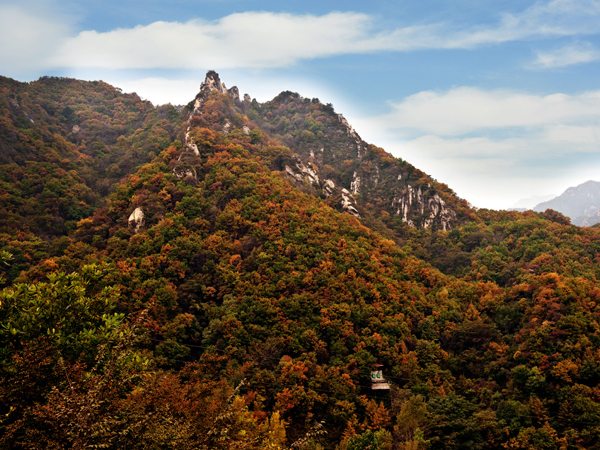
[64, 143]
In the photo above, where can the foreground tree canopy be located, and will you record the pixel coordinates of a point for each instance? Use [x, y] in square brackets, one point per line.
[246, 310]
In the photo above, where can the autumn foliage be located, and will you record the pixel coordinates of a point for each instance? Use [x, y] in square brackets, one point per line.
[247, 313]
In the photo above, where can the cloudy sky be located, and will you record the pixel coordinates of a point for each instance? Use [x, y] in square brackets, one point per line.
[499, 99]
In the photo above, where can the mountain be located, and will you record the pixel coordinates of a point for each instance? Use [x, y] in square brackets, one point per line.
[530, 202]
[218, 295]
[331, 160]
[580, 203]
[64, 143]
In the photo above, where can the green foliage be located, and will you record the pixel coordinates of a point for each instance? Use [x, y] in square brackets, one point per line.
[369, 440]
[69, 310]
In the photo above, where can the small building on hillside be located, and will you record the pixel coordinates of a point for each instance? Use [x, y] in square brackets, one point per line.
[377, 380]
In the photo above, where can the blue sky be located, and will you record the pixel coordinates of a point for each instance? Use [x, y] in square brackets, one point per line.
[498, 99]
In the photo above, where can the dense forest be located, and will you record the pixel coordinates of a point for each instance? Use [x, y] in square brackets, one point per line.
[214, 277]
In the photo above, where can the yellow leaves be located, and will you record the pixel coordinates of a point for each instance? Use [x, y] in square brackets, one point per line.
[285, 400]
[235, 261]
[327, 266]
[360, 346]
[275, 435]
[442, 295]
[156, 180]
[295, 371]
[134, 181]
[564, 370]
[309, 279]
[551, 279]
[377, 415]
[499, 349]
[412, 415]
[472, 313]
[49, 265]
[86, 223]
[213, 242]
[164, 195]
[148, 264]
[166, 249]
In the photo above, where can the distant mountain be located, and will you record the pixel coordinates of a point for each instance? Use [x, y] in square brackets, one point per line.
[530, 202]
[580, 203]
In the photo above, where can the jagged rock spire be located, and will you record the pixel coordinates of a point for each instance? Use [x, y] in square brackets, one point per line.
[213, 82]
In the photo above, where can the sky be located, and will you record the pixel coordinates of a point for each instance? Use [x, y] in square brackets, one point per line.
[498, 99]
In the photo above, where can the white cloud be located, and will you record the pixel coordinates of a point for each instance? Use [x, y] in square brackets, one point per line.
[494, 147]
[240, 40]
[27, 36]
[466, 110]
[566, 56]
[541, 20]
[265, 39]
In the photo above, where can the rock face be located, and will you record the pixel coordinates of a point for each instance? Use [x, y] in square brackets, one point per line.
[212, 82]
[136, 219]
[302, 173]
[188, 158]
[182, 171]
[349, 203]
[360, 144]
[365, 178]
[308, 174]
[431, 208]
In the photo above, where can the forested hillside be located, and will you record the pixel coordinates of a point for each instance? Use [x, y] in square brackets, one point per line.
[206, 290]
[64, 143]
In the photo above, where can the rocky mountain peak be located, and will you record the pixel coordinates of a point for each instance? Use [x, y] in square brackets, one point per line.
[212, 82]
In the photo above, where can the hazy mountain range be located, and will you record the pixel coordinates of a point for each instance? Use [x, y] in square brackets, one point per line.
[530, 202]
[580, 203]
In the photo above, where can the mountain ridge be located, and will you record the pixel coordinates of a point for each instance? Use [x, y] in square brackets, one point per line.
[335, 162]
[581, 203]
